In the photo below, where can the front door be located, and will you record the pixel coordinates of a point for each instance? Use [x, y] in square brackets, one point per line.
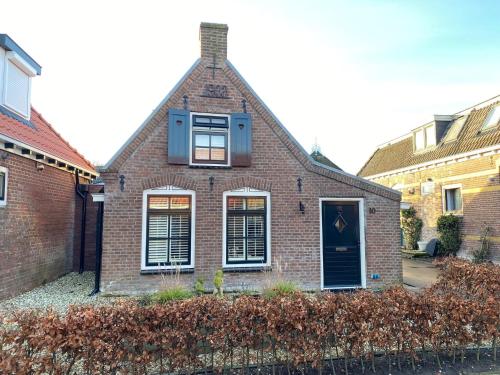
[341, 244]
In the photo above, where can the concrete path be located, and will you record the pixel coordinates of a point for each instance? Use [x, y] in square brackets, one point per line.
[419, 273]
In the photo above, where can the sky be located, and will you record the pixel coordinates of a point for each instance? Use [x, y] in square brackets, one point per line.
[347, 75]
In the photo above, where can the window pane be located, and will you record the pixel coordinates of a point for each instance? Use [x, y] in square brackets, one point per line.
[255, 249]
[255, 203]
[179, 226]
[202, 153]
[2, 186]
[236, 226]
[255, 226]
[202, 140]
[458, 199]
[218, 154]
[158, 202]
[419, 140]
[430, 136]
[179, 250]
[158, 226]
[236, 249]
[202, 120]
[218, 141]
[453, 199]
[236, 203]
[157, 251]
[179, 203]
[219, 121]
[493, 118]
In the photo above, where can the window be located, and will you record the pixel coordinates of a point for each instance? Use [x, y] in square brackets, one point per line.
[493, 118]
[168, 228]
[246, 228]
[419, 140]
[430, 136]
[452, 198]
[454, 129]
[3, 186]
[210, 139]
[425, 137]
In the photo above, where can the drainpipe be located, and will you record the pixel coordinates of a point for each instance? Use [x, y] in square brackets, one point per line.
[98, 248]
[83, 220]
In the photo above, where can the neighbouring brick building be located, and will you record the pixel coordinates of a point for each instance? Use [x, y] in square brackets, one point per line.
[212, 180]
[449, 165]
[37, 182]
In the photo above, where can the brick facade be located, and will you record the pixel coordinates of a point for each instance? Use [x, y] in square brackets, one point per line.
[277, 162]
[36, 235]
[479, 178]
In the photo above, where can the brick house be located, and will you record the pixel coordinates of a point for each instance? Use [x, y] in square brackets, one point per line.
[37, 182]
[212, 180]
[449, 165]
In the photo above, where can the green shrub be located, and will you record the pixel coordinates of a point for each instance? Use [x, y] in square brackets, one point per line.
[172, 294]
[412, 228]
[199, 286]
[450, 239]
[280, 288]
[218, 282]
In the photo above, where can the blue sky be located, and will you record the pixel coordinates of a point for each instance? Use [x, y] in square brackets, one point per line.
[349, 74]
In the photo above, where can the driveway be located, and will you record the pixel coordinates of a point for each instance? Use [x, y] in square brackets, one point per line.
[419, 273]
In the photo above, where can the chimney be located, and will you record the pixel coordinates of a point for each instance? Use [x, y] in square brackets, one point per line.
[213, 41]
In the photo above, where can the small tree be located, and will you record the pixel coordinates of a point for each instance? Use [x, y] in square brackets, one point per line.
[482, 254]
[412, 227]
[450, 239]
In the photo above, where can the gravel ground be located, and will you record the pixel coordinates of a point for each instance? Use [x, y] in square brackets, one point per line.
[70, 289]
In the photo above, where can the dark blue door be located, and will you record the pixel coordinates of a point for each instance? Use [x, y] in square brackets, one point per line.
[341, 244]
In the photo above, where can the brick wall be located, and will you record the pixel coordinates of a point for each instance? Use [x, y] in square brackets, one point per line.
[480, 181]
[36, 226]
[295, 237]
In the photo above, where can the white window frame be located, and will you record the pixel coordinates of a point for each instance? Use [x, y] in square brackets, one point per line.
[167, 190]
[443, 198]
[3, 202]
[192, 114]
[426, 145]
[13, 58]
[246, 192]
[362, 240]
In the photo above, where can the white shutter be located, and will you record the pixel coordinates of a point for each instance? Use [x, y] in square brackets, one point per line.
[17, 89]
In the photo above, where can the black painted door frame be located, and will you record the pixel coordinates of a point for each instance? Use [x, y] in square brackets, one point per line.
[358, 240]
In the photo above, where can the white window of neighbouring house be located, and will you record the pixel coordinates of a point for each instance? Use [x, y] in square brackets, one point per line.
[246, 229]
[3, 186]
[452, 198]
[210, 140]
[168, 228]
[430, 136]
[419, 140]
[17, 84]
[493, 118]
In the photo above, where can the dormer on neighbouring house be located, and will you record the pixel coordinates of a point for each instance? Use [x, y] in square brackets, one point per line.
[429, 135]
[16, 70]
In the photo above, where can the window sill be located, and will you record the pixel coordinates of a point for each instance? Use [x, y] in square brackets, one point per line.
[236, 269]
[202, 166]
[168, 271]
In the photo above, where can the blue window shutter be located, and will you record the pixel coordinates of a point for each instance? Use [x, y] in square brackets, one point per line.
[178, 136]
[241, 140]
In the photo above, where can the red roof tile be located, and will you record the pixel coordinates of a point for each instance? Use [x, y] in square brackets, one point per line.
[42, 136]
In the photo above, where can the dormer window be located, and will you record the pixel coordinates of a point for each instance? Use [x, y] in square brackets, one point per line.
[425, 138]
[493, 119]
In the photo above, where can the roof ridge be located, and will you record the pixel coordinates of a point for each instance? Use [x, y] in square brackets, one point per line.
[49, 125]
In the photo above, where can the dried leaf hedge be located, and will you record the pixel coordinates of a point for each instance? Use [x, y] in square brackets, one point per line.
[292, 332]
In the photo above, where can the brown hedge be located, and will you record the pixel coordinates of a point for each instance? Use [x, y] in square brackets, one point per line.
[296, 331]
